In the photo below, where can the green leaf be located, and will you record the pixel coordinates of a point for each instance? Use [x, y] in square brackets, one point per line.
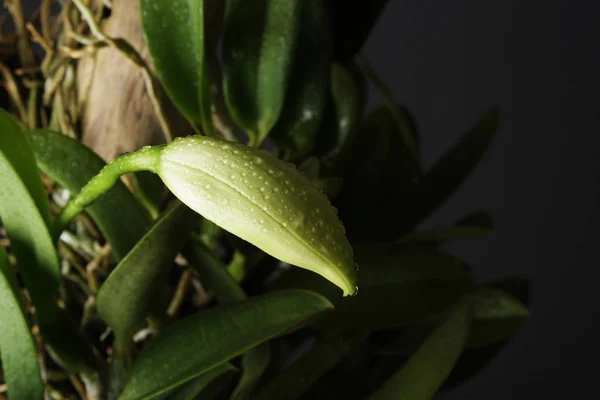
[258, 53]
[20, 363]
[199, 387]
[497, 316]
[383, 172]
[254, 363]
[39, 266]
[17, 150]
[124, 299]
[174, 32]
[295, 381]
[423, 374]
[398, 286]
[352, 22]
[213, 272]
[343, 119]
[451, 170]
[198, 343]
[306, 100]
[119, 216]
[473, 226]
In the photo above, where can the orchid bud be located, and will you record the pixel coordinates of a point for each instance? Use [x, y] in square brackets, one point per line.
[254, 195]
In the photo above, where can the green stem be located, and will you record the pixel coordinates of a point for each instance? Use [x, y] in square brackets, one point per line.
[145, 159]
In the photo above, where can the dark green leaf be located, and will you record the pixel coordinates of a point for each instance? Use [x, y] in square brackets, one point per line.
[384, 172]
[174, 32]
[119, 216]
[254, 363]
[259, 44]
[199, 387]
[124, 299]
[19, 354]
[352, 22]
[440, 182]
[307, 97]
[39, 267]
[311, 168]
[343, 119]
[473, 226]
[397, 286]
[423, 374]
[497, 316]
[17, 150]
[198, 343]
[213, 272]
[295, 381]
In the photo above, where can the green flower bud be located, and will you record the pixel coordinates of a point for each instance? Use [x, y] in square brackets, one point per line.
[267, 202]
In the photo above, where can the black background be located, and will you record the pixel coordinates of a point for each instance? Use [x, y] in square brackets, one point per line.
[449, 61]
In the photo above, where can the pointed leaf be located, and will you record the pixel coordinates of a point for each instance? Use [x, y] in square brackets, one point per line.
[174, 32]
[119, 216]
[398, 286]
[257, 60]
[124, 299]
[423, 374]
[473, 226]
[448, 173]
[20, 364]
[352, 22]
[306, 100]
[198, 343]
[254, 363]
[39, 266]
[497, 316]
[15, 146]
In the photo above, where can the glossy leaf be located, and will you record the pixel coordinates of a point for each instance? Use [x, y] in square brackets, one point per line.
[343, 119]
[39, 266]
[174, 32]
[381, 177]
[254, 364]
[398, 286]
[423, 374]
[20, 365]
[253, 195]
[258, 54]
[295, 381]
[199, 387]
[352, 23]
[473, 226]
[198, 343]
[119, 216]
[15, 146]
[124, 299]
[448, 173]
[306, 100]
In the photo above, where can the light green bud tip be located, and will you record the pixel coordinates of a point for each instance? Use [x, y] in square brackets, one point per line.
[254, 195]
